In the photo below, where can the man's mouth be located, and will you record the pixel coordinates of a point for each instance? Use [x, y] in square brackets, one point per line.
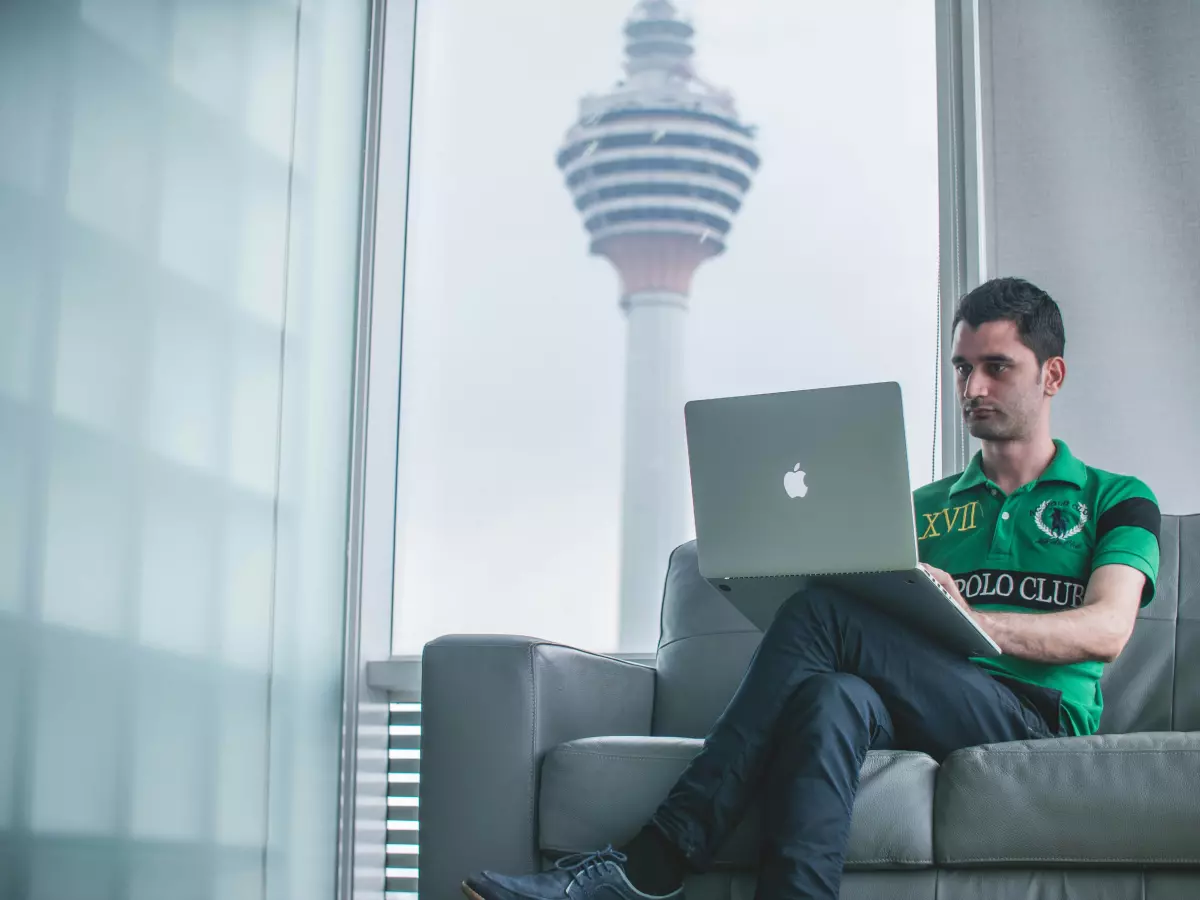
[980, 411]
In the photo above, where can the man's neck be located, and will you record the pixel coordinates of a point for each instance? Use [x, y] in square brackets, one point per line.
[1013, 464]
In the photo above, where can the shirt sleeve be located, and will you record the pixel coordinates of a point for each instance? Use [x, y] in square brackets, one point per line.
[1127, 532]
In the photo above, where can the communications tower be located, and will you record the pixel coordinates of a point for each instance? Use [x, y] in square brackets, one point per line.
[658, 169]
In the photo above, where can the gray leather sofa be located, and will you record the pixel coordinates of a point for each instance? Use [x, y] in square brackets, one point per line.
[531, 749]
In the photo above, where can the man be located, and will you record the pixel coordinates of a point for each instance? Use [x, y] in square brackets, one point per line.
[1051, 557]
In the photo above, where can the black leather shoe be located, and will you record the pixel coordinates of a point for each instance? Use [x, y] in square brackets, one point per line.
[583, 876]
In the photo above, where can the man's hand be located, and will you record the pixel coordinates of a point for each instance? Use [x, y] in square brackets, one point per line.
[947, 581]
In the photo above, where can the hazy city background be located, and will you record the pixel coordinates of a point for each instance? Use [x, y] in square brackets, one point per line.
[512, 377]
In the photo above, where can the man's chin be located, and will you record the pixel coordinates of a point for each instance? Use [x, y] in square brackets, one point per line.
[987, 430]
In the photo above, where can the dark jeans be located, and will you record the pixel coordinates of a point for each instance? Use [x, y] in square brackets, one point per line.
[832, 678]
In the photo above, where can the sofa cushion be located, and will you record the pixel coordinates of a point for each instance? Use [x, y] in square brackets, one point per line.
[704, 648]
[1117, 799]
[600, 791]
[1139, 687]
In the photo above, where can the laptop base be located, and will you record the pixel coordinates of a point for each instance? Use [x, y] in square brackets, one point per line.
[909, 595]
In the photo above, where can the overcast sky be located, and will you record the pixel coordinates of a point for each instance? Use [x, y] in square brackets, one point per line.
[511, 392]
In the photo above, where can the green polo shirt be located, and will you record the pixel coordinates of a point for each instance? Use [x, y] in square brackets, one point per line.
[1033, 551]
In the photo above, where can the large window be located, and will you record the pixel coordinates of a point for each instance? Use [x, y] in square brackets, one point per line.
[757, 183]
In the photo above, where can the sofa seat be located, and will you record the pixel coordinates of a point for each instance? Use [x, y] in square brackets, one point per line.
[580, 810]
[1117, 800]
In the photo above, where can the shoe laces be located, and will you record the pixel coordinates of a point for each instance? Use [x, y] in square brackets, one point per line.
[588, 866]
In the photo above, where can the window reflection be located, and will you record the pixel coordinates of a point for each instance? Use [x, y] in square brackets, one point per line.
[149, 501]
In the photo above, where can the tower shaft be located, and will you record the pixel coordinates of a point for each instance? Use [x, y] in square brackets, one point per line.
[655, 489]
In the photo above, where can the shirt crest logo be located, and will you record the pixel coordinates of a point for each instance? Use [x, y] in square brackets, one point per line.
[1057, 521]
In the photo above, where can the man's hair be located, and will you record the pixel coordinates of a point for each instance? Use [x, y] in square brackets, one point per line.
[1037, 317]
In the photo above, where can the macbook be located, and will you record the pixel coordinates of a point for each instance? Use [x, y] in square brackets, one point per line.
[814, 484]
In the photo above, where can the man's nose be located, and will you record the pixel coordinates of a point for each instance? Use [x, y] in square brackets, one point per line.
[974, 386]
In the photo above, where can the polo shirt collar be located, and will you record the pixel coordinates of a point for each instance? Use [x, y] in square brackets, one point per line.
[972, 476]
[1064, 467]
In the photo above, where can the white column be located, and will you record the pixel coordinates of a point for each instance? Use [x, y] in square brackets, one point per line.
[655, 497]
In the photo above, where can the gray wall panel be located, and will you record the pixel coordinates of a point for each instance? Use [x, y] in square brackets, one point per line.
[1092, 126]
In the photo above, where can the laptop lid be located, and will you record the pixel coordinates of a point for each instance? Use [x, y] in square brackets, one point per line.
[801, 483]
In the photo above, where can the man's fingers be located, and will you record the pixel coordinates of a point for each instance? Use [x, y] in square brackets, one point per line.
[947, 581]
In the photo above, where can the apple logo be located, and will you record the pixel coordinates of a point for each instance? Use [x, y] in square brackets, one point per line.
[793, 483]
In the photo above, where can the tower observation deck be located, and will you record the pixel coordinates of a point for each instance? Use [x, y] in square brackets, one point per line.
[658, 169]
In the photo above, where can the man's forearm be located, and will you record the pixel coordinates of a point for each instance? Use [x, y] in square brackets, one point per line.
[1073, 635]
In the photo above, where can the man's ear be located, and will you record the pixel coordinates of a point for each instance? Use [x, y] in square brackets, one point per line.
[1054, 375]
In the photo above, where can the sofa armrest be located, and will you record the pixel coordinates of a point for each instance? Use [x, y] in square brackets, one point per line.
[491, 707]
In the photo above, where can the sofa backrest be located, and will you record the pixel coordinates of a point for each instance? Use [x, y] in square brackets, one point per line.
[705, 646]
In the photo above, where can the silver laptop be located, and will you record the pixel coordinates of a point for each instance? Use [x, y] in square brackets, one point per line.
[814, 485]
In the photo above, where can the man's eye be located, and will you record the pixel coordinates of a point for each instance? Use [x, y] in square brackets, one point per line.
[999, 368]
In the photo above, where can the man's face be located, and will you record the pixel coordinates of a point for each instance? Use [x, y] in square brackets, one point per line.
[1001, 387]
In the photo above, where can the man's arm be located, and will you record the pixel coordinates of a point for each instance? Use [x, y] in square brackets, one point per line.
[1097, 630]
